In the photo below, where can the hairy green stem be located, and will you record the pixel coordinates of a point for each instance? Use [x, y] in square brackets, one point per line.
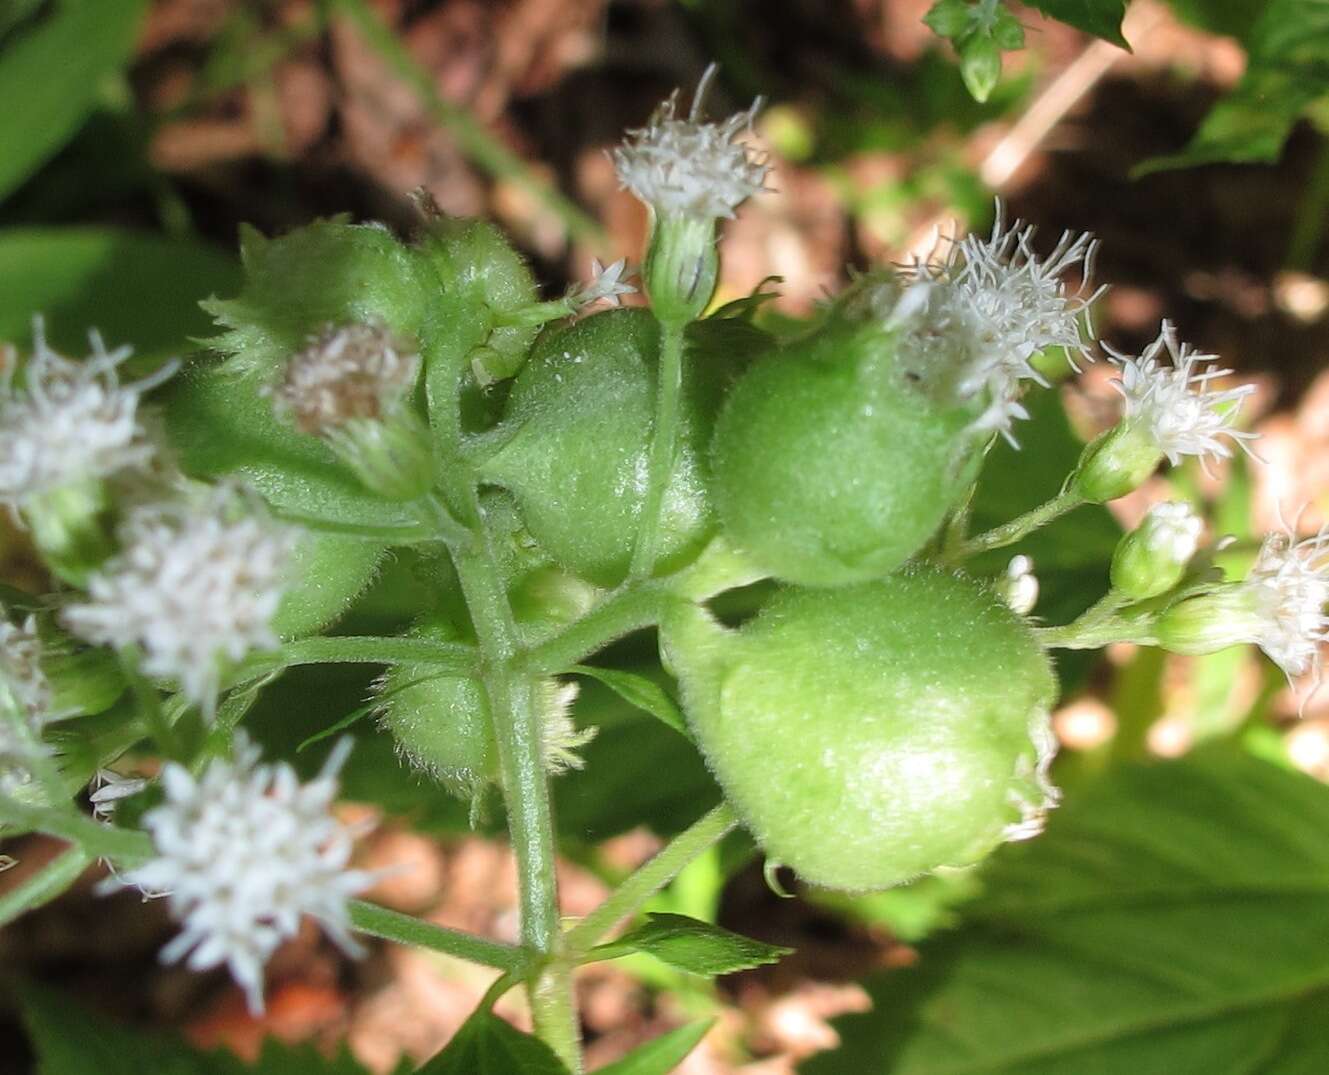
[627, 609]
[648, 879]
[126, 846]
[45, 885]
[149, 704]
[663, 449]
[1100, 625]
[404, 929]
[1009, 533]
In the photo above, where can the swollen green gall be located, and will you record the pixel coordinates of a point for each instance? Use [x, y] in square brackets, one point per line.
[870, 734]
[575, 438]
[1152, 558]
[352, 385]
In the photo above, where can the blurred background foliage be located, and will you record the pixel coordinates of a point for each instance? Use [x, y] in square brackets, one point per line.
[1175, 917]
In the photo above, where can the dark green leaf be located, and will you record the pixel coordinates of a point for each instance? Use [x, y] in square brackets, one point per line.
[640, 691]
[142, 290]
[1102, 18]
[1173, 919]
[51, 71]
[69, 1041]
[695, 946]
[487, 1045]
[1287, 69]
[660, 1055]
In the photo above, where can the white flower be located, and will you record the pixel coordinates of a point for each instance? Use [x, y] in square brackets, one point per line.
[25, 702]
[1175, 403]
[71, 421]
[997, 305]
[348, 372]
[559, 738]
[1289, 588]
[108, 788]
[688, 167]
[1173, 529]
[196, 586]
[606, 283]
[243, 853]
[1019, 586]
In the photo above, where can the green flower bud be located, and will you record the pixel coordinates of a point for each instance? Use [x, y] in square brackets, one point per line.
[681, 267]
[574, 442]
[1116, 463]
[873, 733]
[83, 682]
[1226, 616]
[1152, 558]
[980, 66]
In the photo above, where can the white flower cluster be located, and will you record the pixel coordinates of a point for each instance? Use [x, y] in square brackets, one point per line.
[691, 168]
[25, 702]
[1175, 401]
[243, 853]
[1289, 584]
[347, 372]
[999, 304]
[195, 585]
[1172, 529]
[71, 421]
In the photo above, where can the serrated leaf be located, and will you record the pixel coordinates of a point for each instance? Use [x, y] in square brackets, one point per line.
[1102, 18]
[69, 1041]
[639, 691]
[695, 946]
[661, 1055]
[138, 289]
[51, 71]
[1174, 918]
[1287, 69]
[488, 1045]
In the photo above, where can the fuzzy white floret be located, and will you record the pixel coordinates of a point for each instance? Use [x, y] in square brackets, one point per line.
[1019, 587]
[689, 167]
[1173, 528]
[348, 372]
[606, 283]
[243, 853]
[196, 585]
[1174, 401]
[71, 421]
[1290, 586]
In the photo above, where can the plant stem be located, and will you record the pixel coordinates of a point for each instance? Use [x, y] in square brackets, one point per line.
[649, 878]
[1100, 625]
[663, 449]
[393, 926]
[149, 704]
[1019, 527]
[45, 885]
[476, 142]
[126, 846]
[629, 608]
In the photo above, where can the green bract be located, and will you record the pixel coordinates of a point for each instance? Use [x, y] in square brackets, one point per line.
[577, 433]
[873, 733]
[835, 460]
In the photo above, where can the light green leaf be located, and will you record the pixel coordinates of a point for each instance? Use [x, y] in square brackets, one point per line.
[51, 71]
[694, 946]
[1287, 70]
[138, 289]
[1173, 919]
[69, 1041]
[661, 1055]
[640, 691]
[1102, 18]
[487, 1045]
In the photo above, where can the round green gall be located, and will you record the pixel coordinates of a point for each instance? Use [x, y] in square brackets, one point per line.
[873, 733]
[576, 437]
[836, 458]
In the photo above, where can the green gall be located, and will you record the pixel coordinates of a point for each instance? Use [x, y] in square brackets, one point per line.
[873, 733]
[836, 457]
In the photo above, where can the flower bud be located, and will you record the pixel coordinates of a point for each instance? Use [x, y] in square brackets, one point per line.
[681, 267]
[1019, 586]
[1115, 463]
[1226, 616]
[1152, 559]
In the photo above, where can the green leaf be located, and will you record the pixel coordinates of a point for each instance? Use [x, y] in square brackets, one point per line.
[948, 18]
[1174, 918]
[1287, 70]
[980, 65]
[661, 1055]
[51, 72]
[694, 946]
[135, 288]
[1102, 18]
[69, 1041]
[487, 1045]
[640, 691]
